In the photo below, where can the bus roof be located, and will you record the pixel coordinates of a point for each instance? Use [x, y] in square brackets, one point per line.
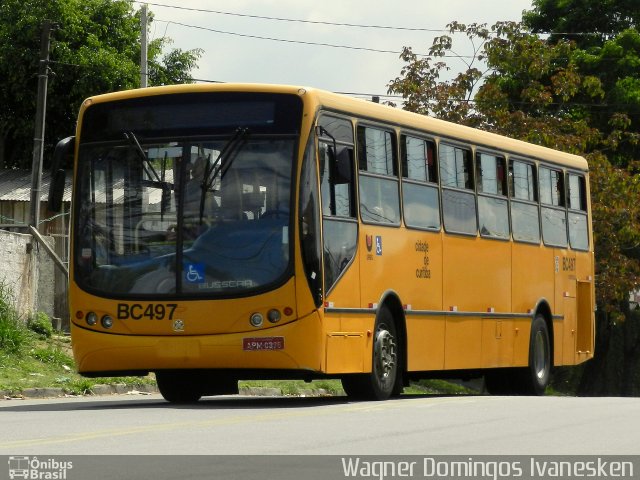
[375, 112]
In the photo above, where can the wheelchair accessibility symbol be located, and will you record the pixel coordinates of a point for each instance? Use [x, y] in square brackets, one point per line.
[194, 272]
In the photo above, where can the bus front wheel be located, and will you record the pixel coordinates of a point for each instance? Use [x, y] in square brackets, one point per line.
[179, 386]
[385, 374]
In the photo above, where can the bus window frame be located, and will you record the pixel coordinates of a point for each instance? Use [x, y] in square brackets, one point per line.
[514, 199]
[471, 149]
[496, 196]
[584, 205]
[428, 184]
[561, 207]
[395, 177]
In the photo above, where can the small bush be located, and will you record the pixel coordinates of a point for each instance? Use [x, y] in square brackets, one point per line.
[7, 309]
[40, 323]
[82, 386]
[13, 334]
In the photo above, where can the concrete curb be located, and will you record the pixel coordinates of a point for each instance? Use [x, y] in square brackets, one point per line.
[123, 389]
[96, 390]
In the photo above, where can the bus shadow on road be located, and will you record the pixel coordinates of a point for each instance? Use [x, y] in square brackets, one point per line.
[230, 402]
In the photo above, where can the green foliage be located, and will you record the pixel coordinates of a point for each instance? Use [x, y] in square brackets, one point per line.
[81, 386]
[40, 323]
[94, 50]
[13, 333]
[53, 355]
[587, 22]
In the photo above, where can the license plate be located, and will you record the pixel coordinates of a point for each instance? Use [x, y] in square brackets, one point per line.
[263, 343]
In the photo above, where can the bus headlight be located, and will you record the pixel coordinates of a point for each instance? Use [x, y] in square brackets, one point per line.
[107, 321]
[91, 319]
[256, 320]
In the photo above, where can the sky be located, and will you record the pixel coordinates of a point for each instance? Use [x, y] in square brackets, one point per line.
[237, 56]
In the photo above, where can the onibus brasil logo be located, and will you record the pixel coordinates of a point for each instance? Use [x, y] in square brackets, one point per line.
[36, 469]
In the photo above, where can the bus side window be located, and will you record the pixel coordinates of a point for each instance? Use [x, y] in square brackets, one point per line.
[458, 198]
[420, 198]
[552, 203]
[577, 215]
[378, 180]
[493, 210]
[525, 221]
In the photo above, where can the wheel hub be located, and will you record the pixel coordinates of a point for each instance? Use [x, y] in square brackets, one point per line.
[385, 354]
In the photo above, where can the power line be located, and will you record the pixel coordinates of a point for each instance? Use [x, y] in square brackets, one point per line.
[351, 25]
[297, 20]
[303, 42]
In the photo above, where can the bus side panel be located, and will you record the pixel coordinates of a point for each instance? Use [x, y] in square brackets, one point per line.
[533, 280]
[409, 263]
[425, 342]
[348, 343]
[422, 291]
[477, 278]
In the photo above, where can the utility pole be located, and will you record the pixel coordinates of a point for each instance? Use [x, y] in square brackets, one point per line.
[38, 140]
[143, 46]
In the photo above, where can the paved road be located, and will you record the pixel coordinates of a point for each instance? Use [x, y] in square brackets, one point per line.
[410, 425]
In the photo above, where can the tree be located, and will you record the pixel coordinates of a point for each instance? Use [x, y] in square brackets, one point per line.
[95, 49]
[586, 22]
[540, 91]
[607, 47]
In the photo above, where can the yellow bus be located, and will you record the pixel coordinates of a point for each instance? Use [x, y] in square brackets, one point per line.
[238, 231]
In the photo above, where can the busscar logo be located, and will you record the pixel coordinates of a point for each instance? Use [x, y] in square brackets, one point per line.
[36, 469]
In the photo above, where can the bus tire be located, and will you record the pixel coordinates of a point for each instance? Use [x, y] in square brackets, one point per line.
[179, 386]
[385, 374]
[538, 374]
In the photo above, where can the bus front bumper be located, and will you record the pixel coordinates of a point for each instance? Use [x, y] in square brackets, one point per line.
[298, 345]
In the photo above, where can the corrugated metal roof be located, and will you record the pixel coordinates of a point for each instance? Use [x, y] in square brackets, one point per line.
[15, 185]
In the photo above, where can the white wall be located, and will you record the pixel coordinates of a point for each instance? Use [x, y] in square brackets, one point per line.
[28, 272]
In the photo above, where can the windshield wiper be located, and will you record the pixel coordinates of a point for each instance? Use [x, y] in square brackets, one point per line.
[147, 166]
[222, 164]
[146, 163]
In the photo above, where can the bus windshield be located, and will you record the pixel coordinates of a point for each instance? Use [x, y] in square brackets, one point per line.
[184, 216]
[187, 217]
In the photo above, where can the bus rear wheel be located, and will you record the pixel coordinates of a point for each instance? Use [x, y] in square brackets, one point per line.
[532, 379]
[179, 386]
[535, 378]
[385, 374]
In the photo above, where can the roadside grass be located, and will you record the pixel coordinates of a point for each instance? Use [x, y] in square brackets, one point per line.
[46, 363]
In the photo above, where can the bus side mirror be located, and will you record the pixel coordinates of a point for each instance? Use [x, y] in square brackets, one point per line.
[63, 149]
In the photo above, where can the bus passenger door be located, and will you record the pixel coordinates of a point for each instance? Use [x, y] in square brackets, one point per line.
[345, 333]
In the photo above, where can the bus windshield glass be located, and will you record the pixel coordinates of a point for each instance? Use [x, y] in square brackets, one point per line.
[171, 211]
